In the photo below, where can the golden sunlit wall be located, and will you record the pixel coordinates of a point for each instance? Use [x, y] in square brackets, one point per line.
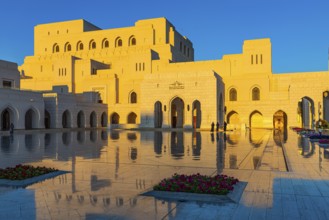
[133, 67]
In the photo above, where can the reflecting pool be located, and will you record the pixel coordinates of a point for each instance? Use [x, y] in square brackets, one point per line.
[233, 150]
[109, 169]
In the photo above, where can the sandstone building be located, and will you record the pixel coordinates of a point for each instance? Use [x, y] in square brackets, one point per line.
[147, 76]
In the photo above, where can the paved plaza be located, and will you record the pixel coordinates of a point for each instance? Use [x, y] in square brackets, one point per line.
[287, 176]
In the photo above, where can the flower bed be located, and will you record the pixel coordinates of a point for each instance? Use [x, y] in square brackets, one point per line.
[22, 172]
[196, 183]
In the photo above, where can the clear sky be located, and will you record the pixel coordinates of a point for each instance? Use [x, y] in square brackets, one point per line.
[299, 29]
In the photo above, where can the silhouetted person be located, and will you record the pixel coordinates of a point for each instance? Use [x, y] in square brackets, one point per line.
[225, 125]
[212, 126]
[217, 126]
[11, 128]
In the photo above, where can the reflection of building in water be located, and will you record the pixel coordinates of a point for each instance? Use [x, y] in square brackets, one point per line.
[232, 138]
[196, 145]
[220, 153]
[133, 153]
[256, 137]
[233, 161]
[158, 143]
[305, 148]
[177, 144]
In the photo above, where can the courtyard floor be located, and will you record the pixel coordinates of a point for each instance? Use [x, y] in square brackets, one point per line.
[108, 170]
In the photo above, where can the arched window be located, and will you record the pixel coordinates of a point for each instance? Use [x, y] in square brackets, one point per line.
[79, 46]
[255, 94]
[92, 45]
[105, 43]
[67, 47]
[132, 41]
[118, 42]
[233, 95]
[133, 97]
[55, 48]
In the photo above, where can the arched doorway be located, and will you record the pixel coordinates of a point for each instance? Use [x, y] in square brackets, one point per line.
[66, 119]
[256, 119]
[196, 114]
[306, 112]
[47, 119]
[81, 119]
[115, 118]
[93, 120]
[177, 113]
[158, 115]
[104, 120]
[233, 119]
[132, 118]
[280, 120]
[30, 119]
[7, 117]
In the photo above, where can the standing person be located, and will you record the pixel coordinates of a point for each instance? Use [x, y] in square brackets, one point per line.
[225, 125]
[217, 126]
[212, 126]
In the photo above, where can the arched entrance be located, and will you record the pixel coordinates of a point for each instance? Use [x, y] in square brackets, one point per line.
[115, 118]
[256, 119]
[280, 120]
[177, 113]
[81, 119]
[132, 118]
[104, 120]
[47, 119]
[93, 120]
[196, 114]
[7, 117]
[66, 119]
[306, 112]
[30, 119]
[158, 115]
[233, 119]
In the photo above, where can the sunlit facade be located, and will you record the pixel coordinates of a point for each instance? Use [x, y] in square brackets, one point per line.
[147, 76]
[55, 108]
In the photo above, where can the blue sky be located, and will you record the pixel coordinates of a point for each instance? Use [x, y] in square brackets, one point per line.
[299, 30]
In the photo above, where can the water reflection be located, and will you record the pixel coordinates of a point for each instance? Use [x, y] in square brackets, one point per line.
[26, 148]
[158, 143]
[177, 145]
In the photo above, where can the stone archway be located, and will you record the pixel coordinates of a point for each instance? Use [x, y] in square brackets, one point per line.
[131, 119]
[93, 120]
[256, 119]
[81, 119]
[280, 120]
[233, 119]
[177, 113]
[104, 119]
[115, 118]
[306, 112]
[30, 119]
[158, 115]
[196, 114]
[7, 117]
[66, 119]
